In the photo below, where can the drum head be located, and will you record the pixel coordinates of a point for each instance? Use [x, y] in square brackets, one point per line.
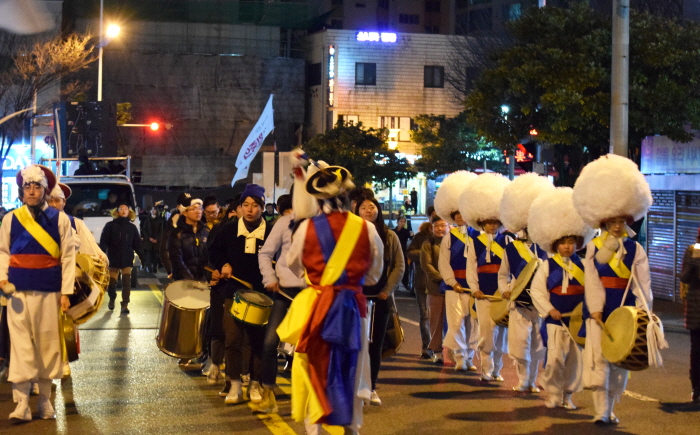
[575, 323]
[499, 310]
[254, 298]
[523, 279]
[622, 324]
[187, 294]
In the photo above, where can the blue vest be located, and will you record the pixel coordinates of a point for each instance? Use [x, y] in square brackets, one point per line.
[488, 280]
[613, 296]
[517, 263]
[458, 261]
[31, 266]
[564, 303]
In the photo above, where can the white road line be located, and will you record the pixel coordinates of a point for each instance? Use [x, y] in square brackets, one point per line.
[409, 321]
[638, 396]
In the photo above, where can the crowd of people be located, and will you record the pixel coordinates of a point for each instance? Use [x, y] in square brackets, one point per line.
[497, 271]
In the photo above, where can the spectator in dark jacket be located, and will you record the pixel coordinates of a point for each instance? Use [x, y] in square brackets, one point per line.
[187, 244]
[120, 238]
[151, 231]
[174, 222]
[690, 293]
[420, 285]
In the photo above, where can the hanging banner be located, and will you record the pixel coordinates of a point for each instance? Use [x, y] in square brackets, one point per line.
[254, 142]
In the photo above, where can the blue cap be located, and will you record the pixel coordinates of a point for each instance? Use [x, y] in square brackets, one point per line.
[254, 191]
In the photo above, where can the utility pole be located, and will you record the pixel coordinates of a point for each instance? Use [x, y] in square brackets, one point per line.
[619, 105]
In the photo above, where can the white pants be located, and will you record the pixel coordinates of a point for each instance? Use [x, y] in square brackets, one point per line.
[564, 362]
[460, 338]
[525, 343]
[597, 371]
[35, 352]
[493, 339]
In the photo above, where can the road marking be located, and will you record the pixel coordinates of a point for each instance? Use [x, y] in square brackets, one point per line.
[409, 321]
[157, 293]
[638, 396]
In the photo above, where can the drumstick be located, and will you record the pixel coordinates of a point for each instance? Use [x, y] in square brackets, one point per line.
[605, 329]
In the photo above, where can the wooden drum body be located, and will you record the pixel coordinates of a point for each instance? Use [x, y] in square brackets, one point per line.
[628, 347]
[182, 319]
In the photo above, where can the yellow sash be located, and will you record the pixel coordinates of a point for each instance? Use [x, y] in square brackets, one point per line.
[618, 266]
[343, 249]
[457, 233]
[575, 271]
[523, 250]
[37, 232]
[495, 247]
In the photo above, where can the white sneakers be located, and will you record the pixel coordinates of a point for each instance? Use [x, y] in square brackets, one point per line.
[235, 394]
[213, 375]
[46, 411]
[552, 401]
[268, 405]
[21, 412]
[567, 402]
[254, 392]
[460, 361]
[374, 399]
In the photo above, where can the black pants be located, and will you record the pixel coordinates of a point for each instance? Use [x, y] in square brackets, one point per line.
[381, 319]
[272, 340]
[244, 342]
[215, 330]
[695, 359]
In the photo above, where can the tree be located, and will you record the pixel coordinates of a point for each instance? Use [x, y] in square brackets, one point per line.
[31, 67]
[556, 79]
[450, 144]
[364, 152]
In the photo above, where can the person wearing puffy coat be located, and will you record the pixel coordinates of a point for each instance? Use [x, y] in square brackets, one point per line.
[690, 293]
[187, 244]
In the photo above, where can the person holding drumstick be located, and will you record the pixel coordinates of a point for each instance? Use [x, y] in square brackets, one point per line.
[234, 253]
[524, 340]
[480, 206]
[383, 290]
[557, 289]
[611, 193]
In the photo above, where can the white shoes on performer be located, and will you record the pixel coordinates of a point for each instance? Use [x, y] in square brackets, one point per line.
[567, 402]
[214, 375]
[460, 361]
[235, 394]
[254, 392]
[21, 412]
[374, 399]
[46, 411]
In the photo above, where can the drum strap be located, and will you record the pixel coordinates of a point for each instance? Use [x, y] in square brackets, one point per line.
[40, 235]
[457, 233]
[523, 250]
[618, 266]
[572, 268]
[493, 246]
[344, 247]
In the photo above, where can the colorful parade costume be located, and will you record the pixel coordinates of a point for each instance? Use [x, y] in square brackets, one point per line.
[524, 339]
[611, 189]
[462, 330]
[480, 202]
[558, 285]
[338, 252]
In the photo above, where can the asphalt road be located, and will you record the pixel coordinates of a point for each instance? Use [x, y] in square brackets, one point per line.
[122, 384]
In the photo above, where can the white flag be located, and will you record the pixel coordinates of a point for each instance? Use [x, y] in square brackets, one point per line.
[254, 142]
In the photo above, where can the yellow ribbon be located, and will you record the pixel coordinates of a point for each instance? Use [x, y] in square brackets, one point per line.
[495, 247]
[523, 250]
[572, 268]
[618, 266]
[457, 233]
[38, 233]
[343, 249]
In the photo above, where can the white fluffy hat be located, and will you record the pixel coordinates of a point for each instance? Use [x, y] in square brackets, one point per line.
[480, 200]
[609, 187]
[553, 216]
[518, 197]
[447, 196]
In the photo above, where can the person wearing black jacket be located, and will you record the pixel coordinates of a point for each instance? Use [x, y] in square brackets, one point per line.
[151, 231]
[234, 255]
[120, 238]
[690, 293]
[187, 244]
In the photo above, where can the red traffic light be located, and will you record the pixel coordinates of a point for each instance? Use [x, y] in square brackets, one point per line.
[154, 126]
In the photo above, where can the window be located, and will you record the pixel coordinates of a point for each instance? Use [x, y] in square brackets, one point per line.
[432, 29]
[366, 74]
[432, 6]
[383, 4]
[382, 25]
[480, 19]
[313, 74]
[409, 19]
[433, 76]
[349, 119]
[512, 12]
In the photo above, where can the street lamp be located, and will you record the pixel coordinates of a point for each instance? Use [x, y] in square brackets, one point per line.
[105, 38]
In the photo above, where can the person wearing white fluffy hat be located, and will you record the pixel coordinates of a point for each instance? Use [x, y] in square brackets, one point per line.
[37, 256]
[611, 193]
[557, 289]
[461, 336]
[524, 340]
[479, 204]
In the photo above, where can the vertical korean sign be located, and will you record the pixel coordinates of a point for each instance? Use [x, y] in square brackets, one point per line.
[254, 142]
[331, 75]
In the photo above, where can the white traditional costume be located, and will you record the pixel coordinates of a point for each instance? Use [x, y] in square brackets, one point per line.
[524, 340]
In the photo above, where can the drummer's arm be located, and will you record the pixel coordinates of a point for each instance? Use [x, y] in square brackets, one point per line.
[377, 249]
[538, 290]
[272, 245]
[444, 266]
[594, 290]
[472, 273]
[642, 275]
[65, 231]
[504, 278]
[175, 252]
[295, 254]
[5, 247]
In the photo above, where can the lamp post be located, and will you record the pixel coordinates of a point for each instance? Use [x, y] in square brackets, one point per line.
[105, 38]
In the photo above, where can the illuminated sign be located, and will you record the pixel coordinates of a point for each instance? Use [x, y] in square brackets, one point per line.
[331, 75]
[522, 155]
[376, 37]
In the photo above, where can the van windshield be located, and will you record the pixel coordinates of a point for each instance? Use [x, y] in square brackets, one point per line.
[97, 199]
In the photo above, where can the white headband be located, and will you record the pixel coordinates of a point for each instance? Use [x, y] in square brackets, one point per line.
[34, 174]
[57, 192]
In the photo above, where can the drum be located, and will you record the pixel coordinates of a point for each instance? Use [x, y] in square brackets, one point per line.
[182, 319]
[86, 299]
[628, 347]
[69, 344]
[94, 267]
[524, 279]
[575, 323]
[499, 312]
[251, 307]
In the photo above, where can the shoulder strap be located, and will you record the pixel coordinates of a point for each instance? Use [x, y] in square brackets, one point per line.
[338, 260]
[495, 247]
[457, 233]
[574, 269]
[40, 235]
